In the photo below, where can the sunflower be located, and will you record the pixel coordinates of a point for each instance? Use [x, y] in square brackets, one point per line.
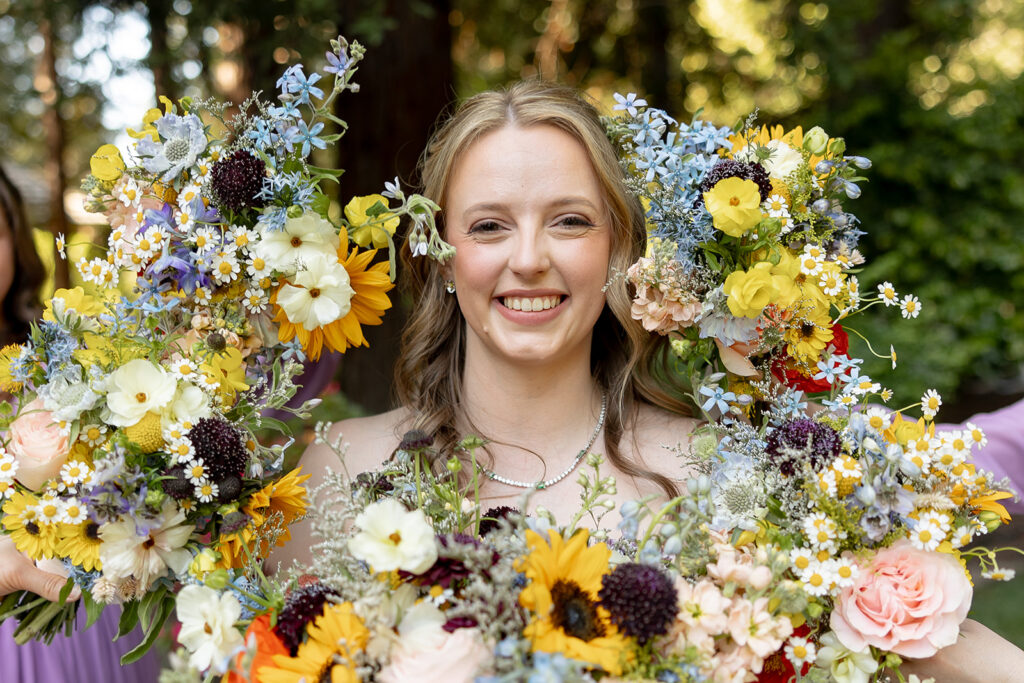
[22, 521]
[808, 336]
[334, 637]
[80, 543]
[286, 496]
[564, 581]
[370, 284]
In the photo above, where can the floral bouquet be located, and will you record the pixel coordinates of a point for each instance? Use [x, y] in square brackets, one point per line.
[752, 255]
[130, 459]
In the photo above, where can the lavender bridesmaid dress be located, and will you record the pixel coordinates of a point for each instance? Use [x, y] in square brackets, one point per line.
[88, 656]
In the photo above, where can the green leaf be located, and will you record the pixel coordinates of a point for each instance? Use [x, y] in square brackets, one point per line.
[152, 633]
[93, 609]
[378, 209]
[129, 619]
[321, 204]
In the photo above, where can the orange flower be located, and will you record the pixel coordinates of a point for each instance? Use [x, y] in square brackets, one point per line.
[261, 645]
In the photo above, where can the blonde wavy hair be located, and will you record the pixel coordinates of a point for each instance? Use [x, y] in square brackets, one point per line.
[627, 362]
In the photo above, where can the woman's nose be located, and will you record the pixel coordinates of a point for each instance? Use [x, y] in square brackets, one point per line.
[530, 253]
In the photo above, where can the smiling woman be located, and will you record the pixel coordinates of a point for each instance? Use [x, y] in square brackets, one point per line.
[536, 351]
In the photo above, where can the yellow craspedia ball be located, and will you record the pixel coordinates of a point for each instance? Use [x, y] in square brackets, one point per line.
[146, 433]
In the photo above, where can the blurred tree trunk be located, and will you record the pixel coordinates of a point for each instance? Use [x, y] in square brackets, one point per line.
[651, 39]
[404, 84]
[50, 93]
[160, 59]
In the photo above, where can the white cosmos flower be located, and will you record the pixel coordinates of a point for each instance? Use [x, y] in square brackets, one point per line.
[147, 549]
[208, 627]
[301, 239]
[136, 388]
[317, 295]
[392, 537]
[783, 161]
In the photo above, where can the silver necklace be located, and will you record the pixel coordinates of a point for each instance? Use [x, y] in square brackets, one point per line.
[539, 485]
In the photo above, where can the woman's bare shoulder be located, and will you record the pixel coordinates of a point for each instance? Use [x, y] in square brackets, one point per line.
[660, 435]
[365, 442]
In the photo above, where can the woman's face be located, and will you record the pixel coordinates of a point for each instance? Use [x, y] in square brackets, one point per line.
[526, 214]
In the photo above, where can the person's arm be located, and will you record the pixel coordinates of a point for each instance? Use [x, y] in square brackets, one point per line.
[980, 655]
[18, 572]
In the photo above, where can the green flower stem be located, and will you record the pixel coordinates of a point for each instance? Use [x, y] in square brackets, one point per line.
[656, 520]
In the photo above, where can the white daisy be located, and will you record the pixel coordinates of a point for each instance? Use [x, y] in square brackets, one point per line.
[926, 535]
[189, 194]
[242, 236]
[72, 511]
[93, 434]
[962, 536]
[831, 283]
[977, 436]
[255, 300]
[186, 218]
[801, 558]
[930, 403]
[206, 491]
[800, 651]
[75, 472]
[225, 267]
[181, 450]
[910, 307]
[818, 578]
[888, 294]
[196, 471]
[810, 266]
[205, 239]
[129, 194]
[61, 245]
[257, 267]
[999, 574]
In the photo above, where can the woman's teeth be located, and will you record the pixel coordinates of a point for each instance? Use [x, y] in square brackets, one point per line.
[539, 303]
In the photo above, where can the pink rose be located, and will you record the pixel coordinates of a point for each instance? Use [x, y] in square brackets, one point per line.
[456, 659]
[38, 444]
[907, 601]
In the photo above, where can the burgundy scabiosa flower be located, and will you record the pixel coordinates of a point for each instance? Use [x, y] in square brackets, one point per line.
[490, 520]
[237, 180]
[640, 599]
[803, 440]
[301, 606]
[221, 447]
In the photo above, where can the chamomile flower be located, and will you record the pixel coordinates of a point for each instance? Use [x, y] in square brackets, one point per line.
[930, 403]
[831, 282]
[863, 385]
[61, 246]
[206, 492]
[888, 294]
[853, 290]
[205, 239]
[202, 296]
[93, 434]
[184, 368]
[885, 394]
[257, 268]
[977, 436]
[186, 218]
[814, 251]
[959, 445]
[176, 430]
[241, 236]
[75, 472]
[845, 570]
[189, 194]
[94, 270]
[145, 248]
[818, 578]
[847, 400]
[129, 194]
[926, 534]
[800, 651]
[810, 266]
[72, 511]
[49, 510]
[999, 574]
[910, 307]
[776, 206]
[962, 536]
[225, 267]
[196, 471]
[801, 558]
[8, 465]
[878, 418]
[918, 451]
[821, 531]
[786, 223]
[827, 483]
[181, 450]
[255, 300]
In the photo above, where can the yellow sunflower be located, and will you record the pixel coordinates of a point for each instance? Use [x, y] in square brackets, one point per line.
[80, 543]
[564, 580]
[807, 337]
[334, 637]
[24, 524]
[287, 496]
[370, 284]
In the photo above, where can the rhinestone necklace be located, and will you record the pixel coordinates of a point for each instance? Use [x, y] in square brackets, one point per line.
[568, 470]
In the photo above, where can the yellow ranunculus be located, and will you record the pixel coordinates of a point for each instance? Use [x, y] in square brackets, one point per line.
[74, 299]
[735, 205]
[749, 291]
[367, 230]
[106, 163]
[785, 275]
[229, 370]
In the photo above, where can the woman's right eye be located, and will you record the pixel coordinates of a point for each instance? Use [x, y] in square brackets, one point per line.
[484, 227]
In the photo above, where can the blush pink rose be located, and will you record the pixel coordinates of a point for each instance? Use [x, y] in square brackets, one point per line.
[457, 658]
[38, 444]
[907, 601]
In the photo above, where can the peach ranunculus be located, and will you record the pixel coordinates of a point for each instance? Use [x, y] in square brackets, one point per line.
[907, 601]
[39, 445]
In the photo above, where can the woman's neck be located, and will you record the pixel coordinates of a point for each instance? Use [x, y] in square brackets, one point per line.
[546, 408]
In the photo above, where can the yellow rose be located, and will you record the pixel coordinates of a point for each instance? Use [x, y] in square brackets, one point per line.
[366, 229]
[751, 290]
[735, 205]
[106, 163]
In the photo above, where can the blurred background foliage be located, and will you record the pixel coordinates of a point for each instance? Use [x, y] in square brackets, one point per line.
[930, 90]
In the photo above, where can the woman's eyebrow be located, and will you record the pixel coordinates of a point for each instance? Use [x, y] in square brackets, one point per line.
[555, 203]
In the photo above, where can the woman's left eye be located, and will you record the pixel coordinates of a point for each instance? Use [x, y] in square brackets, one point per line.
[575, 222]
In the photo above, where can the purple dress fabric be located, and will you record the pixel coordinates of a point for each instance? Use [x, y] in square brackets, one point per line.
[88, 656]
[1003, 455]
